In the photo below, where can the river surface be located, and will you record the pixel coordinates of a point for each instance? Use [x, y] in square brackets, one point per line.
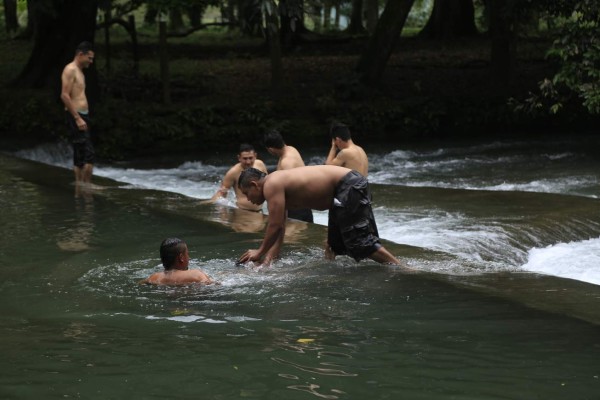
[505, 303]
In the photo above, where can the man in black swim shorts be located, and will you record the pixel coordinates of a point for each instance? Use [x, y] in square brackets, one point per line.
[352, 229]
[76, 106]
[83, 149]
[345, 193]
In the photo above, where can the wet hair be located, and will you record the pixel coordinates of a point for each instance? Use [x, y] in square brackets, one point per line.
[273, 139]
[84, 47]
[339, 130]
[170, 248]
[244, 147]
[248, 175]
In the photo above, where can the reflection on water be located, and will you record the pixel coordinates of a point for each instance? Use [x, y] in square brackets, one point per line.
[239, 220]
[245, 221]
[77, 237]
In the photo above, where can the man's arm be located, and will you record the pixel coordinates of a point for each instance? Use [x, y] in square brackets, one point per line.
[332, 157]
[275, 197]
[68, 80]
[273, 253]
[226, 184]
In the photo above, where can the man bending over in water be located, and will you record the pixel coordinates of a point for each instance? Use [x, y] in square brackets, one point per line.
[176, 258]
[352, 229]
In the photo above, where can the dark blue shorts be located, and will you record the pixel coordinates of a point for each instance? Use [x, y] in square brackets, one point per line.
[352, 229]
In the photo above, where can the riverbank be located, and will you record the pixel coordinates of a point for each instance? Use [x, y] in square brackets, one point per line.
[221, 96]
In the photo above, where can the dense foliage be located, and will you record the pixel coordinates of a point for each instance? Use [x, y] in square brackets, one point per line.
[216, 109]
[576, 52]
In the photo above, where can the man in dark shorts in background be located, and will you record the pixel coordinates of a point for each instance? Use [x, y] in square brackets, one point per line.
[77, 112]
[289, 157]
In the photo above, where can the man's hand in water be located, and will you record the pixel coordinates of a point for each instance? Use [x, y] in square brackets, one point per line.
[249, 255]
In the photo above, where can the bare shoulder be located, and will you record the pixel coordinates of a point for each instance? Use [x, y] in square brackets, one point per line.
[200, 276]
[154, 279]
[260, 165]
[69, 71]
[233, 173]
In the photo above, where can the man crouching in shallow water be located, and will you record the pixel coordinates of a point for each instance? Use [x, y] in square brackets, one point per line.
[176, 258]
[344, 192]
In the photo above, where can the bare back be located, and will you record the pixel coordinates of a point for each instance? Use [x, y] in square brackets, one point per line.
[354, 157]
[177, 277]
[290, 158]
[304, 187]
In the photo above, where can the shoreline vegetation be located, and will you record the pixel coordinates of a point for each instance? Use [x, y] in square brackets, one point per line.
[431, 90]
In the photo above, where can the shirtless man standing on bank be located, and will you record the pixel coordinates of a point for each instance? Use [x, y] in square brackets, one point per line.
[77, 112]
[344, 192]
[350, 155]
[247, 159]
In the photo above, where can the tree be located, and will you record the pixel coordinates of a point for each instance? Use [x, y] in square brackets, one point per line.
[356, 24]
[372, 62]
[59, 26]
[10, 16]
[504, 41]
[250, 17]
[577, 50]
[273, 37]
[450, 18]
[372, 14]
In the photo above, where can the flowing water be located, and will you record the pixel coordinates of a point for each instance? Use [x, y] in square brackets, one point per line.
[505, 237]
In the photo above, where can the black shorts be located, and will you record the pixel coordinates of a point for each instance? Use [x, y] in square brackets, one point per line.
[83, 148]
[304, 214]
[352, 229]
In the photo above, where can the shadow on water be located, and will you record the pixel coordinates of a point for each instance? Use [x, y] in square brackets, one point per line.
[75, 322]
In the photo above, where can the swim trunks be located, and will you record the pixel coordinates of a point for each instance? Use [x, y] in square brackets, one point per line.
[83, 149]
[304, 214]
[351, 228]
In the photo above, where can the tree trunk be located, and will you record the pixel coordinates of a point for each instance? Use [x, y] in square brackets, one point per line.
[273, 36]
[503, 42]
[250, 17]
[292, 26]
[356, 25]
[372, 15]
[315, 16]
[10, 16]
[176, 20]
[163, 55]
[228, 13]
[449, 19]
[59, 26]
[150, 14]
[327, 7]
[195, 15]
[372, 62]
